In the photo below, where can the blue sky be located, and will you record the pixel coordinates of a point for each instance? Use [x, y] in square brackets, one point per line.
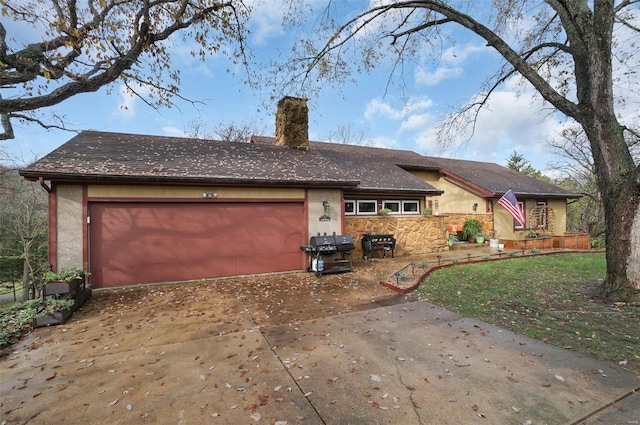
[515, 119]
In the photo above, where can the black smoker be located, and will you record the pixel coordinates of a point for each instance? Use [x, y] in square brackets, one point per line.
[372, 243]
[322, 248]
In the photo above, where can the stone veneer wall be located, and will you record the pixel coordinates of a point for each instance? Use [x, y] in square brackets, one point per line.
[414, 235]
[485, 219]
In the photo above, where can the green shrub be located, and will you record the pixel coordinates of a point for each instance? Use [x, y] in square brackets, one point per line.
[598, 243]
[17, 319]
[471, 227]
[64, 275]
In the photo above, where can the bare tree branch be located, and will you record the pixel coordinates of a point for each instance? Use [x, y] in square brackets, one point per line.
[85, 48]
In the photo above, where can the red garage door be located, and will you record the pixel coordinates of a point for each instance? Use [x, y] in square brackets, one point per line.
[133, 243]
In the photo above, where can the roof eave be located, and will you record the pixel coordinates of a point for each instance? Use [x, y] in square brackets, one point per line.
[395, 191]
[540, 195]
[174, 180]
[459, 181]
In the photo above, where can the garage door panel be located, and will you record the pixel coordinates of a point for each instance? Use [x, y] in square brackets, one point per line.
[152, 242]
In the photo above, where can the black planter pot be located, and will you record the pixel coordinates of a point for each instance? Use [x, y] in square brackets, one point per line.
[75, 290]
[50, 319]
[61, 287]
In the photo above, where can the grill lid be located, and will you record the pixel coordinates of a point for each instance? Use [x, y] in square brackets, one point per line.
[322, 240]
[344, 243]
[333, 242]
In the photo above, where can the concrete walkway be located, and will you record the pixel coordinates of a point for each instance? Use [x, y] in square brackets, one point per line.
[295, 349]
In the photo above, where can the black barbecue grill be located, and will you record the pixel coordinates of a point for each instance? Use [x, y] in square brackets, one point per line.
[321, 248]
[378, 242]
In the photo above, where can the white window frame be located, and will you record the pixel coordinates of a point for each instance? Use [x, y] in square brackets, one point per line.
[353, 204]
[393, 201]
[516, 225]
[411, 202]
[367, 201]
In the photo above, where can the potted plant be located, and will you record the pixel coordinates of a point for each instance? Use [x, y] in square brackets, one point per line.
[470, 228]
[480, 237]
[52, 311]
[63, 282]
[494, 241]
[426, 211]
[63, 293]
[452, 239]
[384, 211]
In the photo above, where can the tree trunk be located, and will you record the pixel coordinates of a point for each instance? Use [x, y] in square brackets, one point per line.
[617, 176]
[622, 208]
[620, 191]
[25, 280]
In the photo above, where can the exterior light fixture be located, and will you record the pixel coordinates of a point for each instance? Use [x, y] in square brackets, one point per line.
[209, 194]
[475, 207]
[325, 216]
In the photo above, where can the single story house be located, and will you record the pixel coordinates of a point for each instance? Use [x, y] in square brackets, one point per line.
[141, 209]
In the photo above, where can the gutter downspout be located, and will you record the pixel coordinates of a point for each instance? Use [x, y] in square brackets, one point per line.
[43, 184]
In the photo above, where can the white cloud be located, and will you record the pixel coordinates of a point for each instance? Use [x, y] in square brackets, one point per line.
[450, 66]
[382, 142]
[511, 119]
[129, 99]
[377, 108]
[417, 122]
[266, 20]
[426, 78]
[173, 132]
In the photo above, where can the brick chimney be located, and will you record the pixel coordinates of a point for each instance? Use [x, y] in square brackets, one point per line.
[292, 123]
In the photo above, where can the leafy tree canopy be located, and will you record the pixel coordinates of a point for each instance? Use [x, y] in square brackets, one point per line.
[81, 46]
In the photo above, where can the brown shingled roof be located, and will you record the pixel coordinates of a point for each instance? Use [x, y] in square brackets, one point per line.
[126, 157]
[378, 169]
[494, 180]
[101, 156]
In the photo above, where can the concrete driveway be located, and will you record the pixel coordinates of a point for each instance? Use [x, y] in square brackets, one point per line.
[296, 349]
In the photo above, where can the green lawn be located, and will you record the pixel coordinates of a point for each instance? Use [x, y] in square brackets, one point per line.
[548, 297]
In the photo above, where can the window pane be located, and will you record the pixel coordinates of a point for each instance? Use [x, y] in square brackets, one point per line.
[367, 207]
[394, 206]
[517, 225]
[410, 207]
[350, 207]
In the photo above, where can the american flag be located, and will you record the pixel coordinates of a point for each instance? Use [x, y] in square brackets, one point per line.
[510, 203]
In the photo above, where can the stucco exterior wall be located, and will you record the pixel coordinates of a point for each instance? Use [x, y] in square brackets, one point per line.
[315, 199]
[70, 224]
[191, 192]
[504, 221]
[559, 207]
[460, 200]
[455, 199]
[504, 224]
